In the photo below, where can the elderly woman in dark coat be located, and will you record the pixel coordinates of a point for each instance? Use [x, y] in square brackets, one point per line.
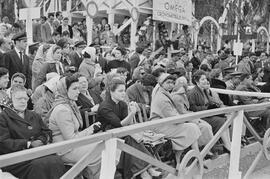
[21, 129]
[202, 98]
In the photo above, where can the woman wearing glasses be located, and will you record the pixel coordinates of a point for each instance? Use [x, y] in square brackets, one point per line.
[21, 129]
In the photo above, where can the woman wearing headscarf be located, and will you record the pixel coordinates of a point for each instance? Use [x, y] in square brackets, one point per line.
[44, 103]
[52, 64]
[65, 121]
[64, 43]
[89, 68]
[21, 129]
[39, 60]
[179, 96]
[182, 134]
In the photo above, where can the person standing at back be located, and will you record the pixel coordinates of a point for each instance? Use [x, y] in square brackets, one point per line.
[16, 60]
[65, 27]
[119, 60]
[76, 56]
[58, 20]
[47, 28]
[4, 47]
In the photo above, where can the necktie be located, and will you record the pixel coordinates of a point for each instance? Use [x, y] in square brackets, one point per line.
[21, 56]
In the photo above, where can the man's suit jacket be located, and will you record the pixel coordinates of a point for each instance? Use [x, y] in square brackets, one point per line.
[102, 62]
[14, 64]
[75, 59]
[46, 33]
[59, 29]
[37, 32]
[2, 63]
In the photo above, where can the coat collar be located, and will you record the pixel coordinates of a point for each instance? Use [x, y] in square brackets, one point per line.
[168, 95]
[14, 116]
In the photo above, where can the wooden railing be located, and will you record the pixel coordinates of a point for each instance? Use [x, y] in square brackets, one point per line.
[111, 144]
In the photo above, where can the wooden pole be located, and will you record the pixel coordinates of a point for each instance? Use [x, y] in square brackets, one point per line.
[111, 17]
[220, 33]
[237, 19]
[211, 37]
[133, 34]
[60, 5]
[89, 26]
[236, 146]
[133, 30]
[154, 35]
[108, 159]
[268, 40]
[68, 11]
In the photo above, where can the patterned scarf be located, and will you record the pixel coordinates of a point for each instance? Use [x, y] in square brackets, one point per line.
[62, 98]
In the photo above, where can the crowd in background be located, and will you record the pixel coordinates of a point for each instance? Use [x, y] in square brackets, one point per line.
[45, 94]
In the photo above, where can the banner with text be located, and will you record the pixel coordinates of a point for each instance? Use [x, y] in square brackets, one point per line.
[175, 11]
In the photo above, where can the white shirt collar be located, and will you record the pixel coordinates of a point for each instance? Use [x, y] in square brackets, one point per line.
[79, 54]
[17, 51]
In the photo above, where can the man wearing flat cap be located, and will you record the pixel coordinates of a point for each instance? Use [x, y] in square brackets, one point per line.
[76, 57]
[16, 60]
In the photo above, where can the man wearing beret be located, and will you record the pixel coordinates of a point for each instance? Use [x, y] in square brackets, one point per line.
[16, 60]
[76, 57]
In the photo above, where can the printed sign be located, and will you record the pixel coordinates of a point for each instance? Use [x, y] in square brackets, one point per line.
[175, 11]
[237, 48]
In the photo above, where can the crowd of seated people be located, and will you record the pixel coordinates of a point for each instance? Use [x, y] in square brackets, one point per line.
[45, 100]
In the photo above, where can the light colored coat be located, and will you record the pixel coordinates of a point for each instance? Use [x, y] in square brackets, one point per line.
[87, 68]
[65, 126]
[162, 106]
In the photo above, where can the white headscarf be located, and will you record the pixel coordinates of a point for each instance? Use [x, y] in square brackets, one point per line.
[50, 59]
[40, 53]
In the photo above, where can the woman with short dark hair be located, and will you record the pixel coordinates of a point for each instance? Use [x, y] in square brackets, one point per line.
[202, 98]
[113, 113]
[119, 60]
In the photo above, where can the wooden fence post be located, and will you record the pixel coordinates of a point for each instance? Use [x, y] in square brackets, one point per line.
[108, 165]
[234, 172]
